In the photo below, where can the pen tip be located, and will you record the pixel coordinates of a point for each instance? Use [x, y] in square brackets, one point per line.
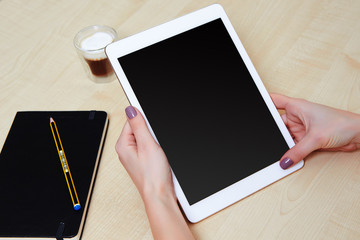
[51, 120]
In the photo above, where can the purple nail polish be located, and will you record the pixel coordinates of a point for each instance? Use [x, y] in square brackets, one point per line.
[130, 112]
[286, 163]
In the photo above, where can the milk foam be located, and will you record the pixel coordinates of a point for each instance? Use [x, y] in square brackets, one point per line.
[96, 41]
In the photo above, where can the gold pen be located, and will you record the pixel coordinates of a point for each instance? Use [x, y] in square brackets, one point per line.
[65, 165]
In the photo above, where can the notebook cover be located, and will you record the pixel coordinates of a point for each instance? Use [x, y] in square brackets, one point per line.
[34, 195]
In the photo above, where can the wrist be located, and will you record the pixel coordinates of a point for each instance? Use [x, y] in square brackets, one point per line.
[165, 217]
[158, 195]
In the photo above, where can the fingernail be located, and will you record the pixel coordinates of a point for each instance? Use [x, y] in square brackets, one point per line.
[130, 112]
[286, 163]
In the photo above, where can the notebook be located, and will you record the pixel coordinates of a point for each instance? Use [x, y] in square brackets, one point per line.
[35, 201]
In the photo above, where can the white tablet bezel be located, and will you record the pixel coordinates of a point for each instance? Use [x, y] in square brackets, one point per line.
[244, 187]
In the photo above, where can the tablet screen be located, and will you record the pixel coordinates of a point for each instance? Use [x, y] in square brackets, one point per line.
[204, 109]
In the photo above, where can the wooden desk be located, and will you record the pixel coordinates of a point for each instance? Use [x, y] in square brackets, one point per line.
[308, 49]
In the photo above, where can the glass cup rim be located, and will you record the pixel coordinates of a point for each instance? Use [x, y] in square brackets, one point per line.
[93, 27]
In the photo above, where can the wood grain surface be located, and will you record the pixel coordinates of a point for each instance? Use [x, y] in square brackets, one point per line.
[308, 49]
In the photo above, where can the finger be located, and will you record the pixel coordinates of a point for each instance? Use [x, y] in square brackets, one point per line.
[280, 101]
[126, 131]
[139, 128]
[125, 140]
[125, 136]
[297, 153]
[284, 118]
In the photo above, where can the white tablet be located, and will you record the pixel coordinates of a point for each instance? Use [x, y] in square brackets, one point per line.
[206, 106]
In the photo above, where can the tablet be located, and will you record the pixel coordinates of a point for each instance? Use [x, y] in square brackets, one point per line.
[206, 106]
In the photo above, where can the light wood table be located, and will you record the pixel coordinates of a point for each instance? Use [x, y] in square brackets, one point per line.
[308, 49]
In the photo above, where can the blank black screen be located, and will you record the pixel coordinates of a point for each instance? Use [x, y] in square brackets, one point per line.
[204, 108]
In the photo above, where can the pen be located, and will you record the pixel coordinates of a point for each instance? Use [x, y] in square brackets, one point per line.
[65, 165]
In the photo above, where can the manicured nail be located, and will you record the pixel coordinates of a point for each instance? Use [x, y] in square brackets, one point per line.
[130, 112]
[286, 163]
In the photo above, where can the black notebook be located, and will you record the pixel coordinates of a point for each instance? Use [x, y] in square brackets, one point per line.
[35, 201]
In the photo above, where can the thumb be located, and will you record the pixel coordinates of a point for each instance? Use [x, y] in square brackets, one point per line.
[298, 152]
[138, 125]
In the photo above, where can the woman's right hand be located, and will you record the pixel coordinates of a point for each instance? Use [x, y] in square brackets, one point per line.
[314, 126]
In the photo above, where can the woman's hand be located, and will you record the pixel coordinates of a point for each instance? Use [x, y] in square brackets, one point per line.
[148, 167]
[143, 158]
[314, 126]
